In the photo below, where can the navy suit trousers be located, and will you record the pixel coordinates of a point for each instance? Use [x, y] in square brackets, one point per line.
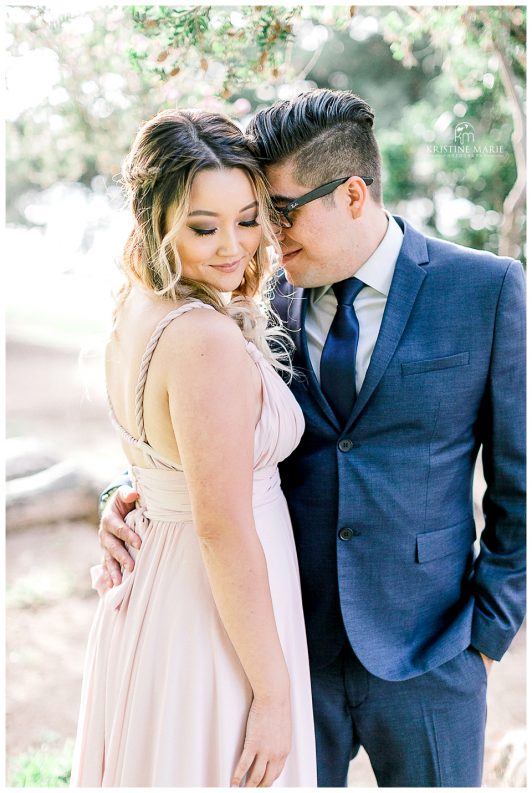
[427, 731]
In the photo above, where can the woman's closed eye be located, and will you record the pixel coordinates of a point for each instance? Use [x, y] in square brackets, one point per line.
[248, 224]
[202, 232]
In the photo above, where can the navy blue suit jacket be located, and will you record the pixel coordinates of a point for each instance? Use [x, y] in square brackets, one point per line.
[446, 377]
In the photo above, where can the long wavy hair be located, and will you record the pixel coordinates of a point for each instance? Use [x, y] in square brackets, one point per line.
[168, 152]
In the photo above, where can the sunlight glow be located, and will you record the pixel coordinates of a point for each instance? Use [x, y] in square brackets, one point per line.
[30, 79]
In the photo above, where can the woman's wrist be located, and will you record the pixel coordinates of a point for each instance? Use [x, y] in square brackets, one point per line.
[275, 693]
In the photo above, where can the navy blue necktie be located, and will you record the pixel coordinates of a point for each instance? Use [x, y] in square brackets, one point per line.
[338, 359]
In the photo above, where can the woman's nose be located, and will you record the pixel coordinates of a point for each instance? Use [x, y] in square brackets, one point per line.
[228, 243]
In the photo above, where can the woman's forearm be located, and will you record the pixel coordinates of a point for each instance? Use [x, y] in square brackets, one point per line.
[236, 567]
[214, 393]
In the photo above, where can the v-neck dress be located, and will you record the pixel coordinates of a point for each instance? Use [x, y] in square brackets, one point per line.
[164, 696]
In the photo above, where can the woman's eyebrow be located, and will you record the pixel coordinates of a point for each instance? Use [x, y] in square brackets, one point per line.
[215, 214]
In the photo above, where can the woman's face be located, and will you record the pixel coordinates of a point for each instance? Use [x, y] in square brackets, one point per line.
[221, 233]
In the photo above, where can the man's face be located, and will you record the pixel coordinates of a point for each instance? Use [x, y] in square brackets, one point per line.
[319, 248]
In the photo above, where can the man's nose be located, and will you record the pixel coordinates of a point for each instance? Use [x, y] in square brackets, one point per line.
[280, 231]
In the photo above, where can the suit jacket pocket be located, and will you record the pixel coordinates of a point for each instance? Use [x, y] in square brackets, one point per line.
[443, 542]
[432, 364]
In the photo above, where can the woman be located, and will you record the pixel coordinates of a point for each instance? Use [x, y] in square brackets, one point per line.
[196, 671]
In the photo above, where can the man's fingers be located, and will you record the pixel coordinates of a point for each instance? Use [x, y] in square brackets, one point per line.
[112, 526]
[126, 494]
[115, 549]
[112, 569]
[123, 532]
[487, 662]
[115, 513]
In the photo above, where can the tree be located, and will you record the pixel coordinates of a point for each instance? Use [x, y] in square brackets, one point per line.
[425, 70]
[459, 42]
[238, 45]
[467, 38]
[90, 105]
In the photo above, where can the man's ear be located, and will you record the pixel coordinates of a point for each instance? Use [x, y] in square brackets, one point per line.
[357, 192]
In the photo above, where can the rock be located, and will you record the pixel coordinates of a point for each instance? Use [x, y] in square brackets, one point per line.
[26, 456]
[64, 491]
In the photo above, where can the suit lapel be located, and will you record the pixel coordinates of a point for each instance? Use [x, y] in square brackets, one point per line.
[292, 303]
[406, 283]
[293, 313]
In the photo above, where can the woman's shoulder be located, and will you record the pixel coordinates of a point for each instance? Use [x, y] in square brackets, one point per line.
[202, 332]
[198, 322]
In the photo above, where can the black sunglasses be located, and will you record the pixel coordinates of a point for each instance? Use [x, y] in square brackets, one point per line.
[280, 214]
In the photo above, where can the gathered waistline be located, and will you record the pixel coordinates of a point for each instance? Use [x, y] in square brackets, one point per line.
[266, 488]
[176, 507]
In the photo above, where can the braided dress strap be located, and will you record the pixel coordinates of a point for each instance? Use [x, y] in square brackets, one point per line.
[154, 456]
[146, 358]
[142, 443]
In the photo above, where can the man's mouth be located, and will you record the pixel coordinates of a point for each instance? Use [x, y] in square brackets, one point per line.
[288, 256]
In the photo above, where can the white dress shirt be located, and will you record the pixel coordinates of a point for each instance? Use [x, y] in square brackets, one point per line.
[377, 273]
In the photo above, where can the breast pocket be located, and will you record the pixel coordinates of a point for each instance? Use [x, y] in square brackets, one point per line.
[435, 364]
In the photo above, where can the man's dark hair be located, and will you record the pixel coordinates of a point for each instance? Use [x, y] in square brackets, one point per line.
[325, 134]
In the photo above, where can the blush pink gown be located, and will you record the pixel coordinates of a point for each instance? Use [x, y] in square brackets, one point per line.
[164, 698]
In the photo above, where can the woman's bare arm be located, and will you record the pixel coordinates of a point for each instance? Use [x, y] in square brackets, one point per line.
[213, 390]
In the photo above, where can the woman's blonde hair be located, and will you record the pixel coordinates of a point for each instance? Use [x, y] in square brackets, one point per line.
[168, 152]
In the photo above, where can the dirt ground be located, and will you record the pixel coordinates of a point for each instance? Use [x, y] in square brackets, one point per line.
[49, 602]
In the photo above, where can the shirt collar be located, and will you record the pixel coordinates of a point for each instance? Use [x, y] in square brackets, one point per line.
[377, 272]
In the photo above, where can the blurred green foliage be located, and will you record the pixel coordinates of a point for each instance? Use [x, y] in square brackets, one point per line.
[47, 767]
[248, 40]
[424, 70]
[85, 122]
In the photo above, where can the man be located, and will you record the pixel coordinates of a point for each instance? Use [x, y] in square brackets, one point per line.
[411, 362]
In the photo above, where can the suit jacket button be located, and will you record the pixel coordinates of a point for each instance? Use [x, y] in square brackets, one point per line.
[345, 445]
[346, 533]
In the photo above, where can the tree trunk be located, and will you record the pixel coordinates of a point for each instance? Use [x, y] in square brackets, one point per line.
[509, 243]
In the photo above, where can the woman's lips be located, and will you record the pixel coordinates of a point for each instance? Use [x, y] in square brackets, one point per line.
[230, 267]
